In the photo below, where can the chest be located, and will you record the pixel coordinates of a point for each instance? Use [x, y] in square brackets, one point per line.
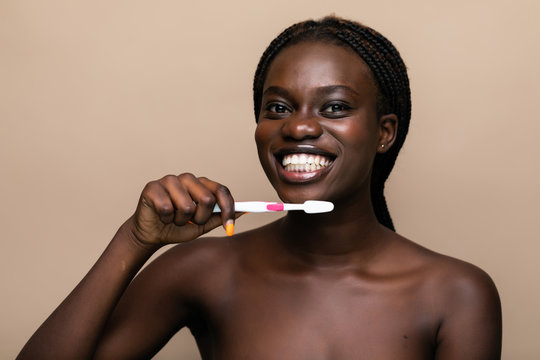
[320, 320]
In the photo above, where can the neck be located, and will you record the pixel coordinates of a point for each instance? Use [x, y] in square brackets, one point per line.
[333, 238]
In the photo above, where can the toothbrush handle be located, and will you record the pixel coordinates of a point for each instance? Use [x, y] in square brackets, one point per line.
[288, 207]
[254, 206]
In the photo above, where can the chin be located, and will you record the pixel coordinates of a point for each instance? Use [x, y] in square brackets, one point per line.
[300, 193]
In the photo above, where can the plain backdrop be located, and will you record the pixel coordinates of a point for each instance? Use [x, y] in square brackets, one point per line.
[99, 97]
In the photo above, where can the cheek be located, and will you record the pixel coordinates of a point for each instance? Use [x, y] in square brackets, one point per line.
[259, 135]
[262, 135]
[359, 143]
[357, 137]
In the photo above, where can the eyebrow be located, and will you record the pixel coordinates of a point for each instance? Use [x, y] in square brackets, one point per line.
[277, 90]
[333, 88]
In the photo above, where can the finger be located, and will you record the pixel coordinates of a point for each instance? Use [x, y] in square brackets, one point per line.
[225, 201]
[156, 198]
[184, 207]
[201, 195]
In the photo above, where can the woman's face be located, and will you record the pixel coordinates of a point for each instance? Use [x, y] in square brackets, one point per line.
[318, 130]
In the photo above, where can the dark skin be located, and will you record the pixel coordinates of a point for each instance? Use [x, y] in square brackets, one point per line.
[328, 286]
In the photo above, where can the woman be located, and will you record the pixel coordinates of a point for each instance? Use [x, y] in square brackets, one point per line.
[332, 104]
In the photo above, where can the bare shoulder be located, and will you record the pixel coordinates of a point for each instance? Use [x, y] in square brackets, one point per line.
[210, 253]
[188, 266]
[454, 279]
[465, 303]
[460, 280]
[203, 267]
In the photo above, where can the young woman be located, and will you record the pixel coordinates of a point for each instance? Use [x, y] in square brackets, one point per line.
[332, 104]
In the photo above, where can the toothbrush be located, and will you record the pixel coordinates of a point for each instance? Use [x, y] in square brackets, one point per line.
[310, 206]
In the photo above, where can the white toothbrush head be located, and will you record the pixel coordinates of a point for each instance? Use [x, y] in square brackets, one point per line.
[317, 206]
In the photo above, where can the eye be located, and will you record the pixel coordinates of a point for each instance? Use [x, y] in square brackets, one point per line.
[277, 108]
[335, 109]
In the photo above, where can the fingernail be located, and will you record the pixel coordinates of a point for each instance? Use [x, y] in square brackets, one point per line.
[229, 227]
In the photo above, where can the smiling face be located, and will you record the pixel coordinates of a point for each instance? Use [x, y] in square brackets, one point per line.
[318, 131]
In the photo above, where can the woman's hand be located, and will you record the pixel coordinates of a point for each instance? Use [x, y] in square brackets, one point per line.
[179, 208]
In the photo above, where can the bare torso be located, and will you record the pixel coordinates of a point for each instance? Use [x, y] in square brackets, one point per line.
[252, 300]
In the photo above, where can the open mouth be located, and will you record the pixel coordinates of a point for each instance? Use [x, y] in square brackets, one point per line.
[304, 161]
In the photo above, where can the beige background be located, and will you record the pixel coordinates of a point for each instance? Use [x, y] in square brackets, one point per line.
[99, 97]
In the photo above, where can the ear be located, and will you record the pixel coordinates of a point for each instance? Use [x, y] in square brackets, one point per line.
[388, 125]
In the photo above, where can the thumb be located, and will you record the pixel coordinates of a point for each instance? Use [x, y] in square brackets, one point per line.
[192, 231]
[212, 223]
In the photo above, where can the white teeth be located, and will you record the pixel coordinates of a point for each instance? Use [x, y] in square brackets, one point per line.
[305, 162]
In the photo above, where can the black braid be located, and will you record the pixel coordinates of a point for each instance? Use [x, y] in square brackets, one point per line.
[388, 70]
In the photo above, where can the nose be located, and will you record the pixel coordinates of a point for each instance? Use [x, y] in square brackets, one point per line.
[301, 126]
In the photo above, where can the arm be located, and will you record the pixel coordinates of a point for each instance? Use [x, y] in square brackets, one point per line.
[82, 315]
[159, 301]
[471, 327]
[166, 213]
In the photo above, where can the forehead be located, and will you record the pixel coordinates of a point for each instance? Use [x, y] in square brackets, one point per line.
[319, 64]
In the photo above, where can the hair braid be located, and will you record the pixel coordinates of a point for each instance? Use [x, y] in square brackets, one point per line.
[388, 70]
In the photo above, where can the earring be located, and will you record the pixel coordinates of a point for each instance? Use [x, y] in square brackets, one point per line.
[382, 146]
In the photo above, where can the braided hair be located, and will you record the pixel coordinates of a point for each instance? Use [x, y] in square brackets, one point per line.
[387, 68]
